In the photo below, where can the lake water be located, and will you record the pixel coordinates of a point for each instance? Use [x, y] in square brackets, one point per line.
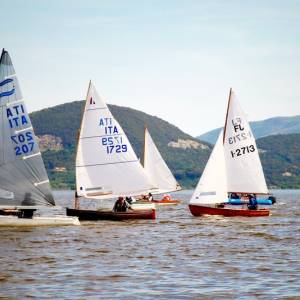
[176, 256]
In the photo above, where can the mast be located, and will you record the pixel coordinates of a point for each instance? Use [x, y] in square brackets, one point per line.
[144, 150]
[228, 105]
[77, 198]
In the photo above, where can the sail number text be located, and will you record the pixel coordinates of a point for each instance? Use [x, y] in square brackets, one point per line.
[241, 151]
[113, 141]
[24, 142]
[16, 116]
[114, 144]
[239, 131]
[239, 137]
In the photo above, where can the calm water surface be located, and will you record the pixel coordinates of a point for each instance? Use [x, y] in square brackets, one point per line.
[176, 256]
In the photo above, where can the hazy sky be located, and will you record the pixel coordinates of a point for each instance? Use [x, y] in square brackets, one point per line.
[173, 59]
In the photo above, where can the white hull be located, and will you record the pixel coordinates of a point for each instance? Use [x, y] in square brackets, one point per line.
[142, 206]
[38, 221]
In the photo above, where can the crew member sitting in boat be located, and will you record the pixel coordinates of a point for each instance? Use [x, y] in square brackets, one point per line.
[252, 202]
[166, 197]
[130, 199]
[121, 205]
[234, 196]
[150, 197]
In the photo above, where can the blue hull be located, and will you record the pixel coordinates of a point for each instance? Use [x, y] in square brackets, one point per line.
[241, 202]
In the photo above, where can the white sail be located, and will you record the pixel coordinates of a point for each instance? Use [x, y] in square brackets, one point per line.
[243, 166]
[106, 165]
[212, 186]
[23, 178]
[157, 169]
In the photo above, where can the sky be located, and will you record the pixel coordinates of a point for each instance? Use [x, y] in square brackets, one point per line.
[173, 59]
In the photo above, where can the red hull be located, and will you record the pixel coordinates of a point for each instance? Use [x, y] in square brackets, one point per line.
[198, 210]
[86, 215]
[166, 201]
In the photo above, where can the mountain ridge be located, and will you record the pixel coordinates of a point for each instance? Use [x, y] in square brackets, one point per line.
[262, 128]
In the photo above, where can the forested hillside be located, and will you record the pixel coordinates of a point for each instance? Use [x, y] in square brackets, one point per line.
[185, 161]
[280, 155]
[185, 155]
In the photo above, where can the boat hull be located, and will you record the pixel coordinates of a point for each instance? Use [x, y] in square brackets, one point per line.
[142, 206]
[14, 221]
[94, 215]
[198, 210]
[166, 202]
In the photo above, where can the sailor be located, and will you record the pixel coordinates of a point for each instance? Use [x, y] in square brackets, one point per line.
[150, 197]
[234, 196]
[167, 197]
[252, 202]
[121, 205]
[130, 199]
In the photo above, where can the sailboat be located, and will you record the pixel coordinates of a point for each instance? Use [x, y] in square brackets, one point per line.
[106, 164]
[158, 172]
[233, 167]
[24, 184]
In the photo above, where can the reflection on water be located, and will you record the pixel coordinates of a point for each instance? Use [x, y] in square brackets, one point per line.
[176, 256]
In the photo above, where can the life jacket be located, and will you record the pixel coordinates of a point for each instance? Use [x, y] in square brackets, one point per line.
[167, 197]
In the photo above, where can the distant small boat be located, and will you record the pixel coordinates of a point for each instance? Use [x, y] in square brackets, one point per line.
[159, 172]
[24, 183]
[106, 165]
[233, 167]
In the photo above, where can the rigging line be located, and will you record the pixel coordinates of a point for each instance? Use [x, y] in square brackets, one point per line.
[32, 155]
[10, 76]
[24, 129]
[97, 108]
[113, 163]
[96, 136]
[15, 102]
[41, 182]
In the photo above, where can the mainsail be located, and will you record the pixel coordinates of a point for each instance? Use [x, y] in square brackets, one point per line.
[23, 178]
[212, 186]
[157, 169]
[234, 164]
[106, 165]
[243, 166]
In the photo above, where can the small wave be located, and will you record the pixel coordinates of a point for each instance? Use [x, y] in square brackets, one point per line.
[36, 260]
[264, 235]
[114, 277]
[102, 251]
